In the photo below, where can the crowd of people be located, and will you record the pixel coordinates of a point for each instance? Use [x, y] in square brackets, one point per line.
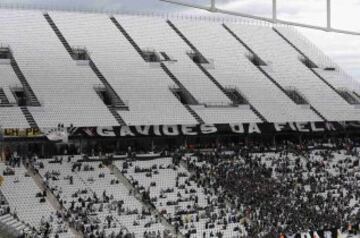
[51, 225]
[193, 210]
[308, 189]
[92, 213]
[311, 188]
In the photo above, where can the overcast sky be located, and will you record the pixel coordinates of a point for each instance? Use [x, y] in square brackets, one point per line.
[344, 49]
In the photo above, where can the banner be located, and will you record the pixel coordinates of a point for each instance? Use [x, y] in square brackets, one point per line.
[58, 135]
[222, 129]
[185, 130]
[22, 133]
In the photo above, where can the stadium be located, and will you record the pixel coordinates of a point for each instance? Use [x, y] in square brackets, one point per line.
[124, 125]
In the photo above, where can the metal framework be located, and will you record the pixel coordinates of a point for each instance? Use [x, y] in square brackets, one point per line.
[274, 19]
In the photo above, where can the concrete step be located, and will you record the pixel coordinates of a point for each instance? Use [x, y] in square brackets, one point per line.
[20, 227]
[6, 218]
[11, 222]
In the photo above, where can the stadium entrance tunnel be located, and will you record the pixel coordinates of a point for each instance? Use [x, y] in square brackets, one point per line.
[234, 94]
[256, 60]
[20, 96]
[80, 54]
[308, 63]
[5, 53]
[104, 95]
[197, 57]
[152, 56]
[183, 96]
[296, 96]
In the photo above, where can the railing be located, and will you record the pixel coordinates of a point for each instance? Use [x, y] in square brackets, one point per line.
[111, 11]
[217, 104]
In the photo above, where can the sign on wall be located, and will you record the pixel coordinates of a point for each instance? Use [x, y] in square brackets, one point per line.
[189, 130]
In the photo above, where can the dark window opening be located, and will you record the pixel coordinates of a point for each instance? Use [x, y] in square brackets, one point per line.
[5, 53]
[106, 98]
[198, 58]
[330, 69]
[256, 60]
[151, 56]
[104, 95]
[20, 98]
[80, 54]
[236, 96]
[349, 97]
[308, 63]
[296, 97]
[183, 96]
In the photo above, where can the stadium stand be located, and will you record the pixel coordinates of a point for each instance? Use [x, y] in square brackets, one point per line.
[268, 44]
[228, 191]
[31, 213]
[203, 79]
[90, 190]
[149, 102]
[187, 205]
[231, 59]
[139, 126]
[35, 47]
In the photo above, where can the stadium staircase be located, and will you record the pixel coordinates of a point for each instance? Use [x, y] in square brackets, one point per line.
[207, 73]
[305, 57]
[182, 36]
[59, 35]
[266, 74]
[182, 87]
[238, 99]
[117, 103]
[128, 37]
[10, 226]
[30, 95]
[116, 115]
[194, 114]
[163, 66]
[138, 195]
[33, 101]
[4, 101]
[50, 197]
[113, 110]
[28, 116]
[356, 94]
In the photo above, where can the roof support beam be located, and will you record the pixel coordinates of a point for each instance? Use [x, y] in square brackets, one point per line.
[273, 19]
[328, 20]
[212, 5]
[274, 11]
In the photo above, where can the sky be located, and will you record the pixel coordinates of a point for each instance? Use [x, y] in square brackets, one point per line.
[343, 49]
